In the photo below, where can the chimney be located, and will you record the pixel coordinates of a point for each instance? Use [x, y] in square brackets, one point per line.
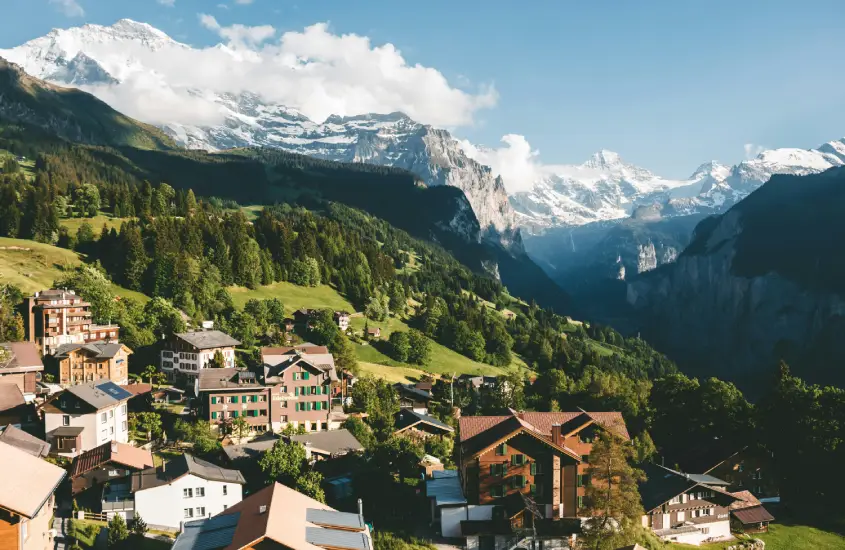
[557, 437]
[262, 509]
[361, 509]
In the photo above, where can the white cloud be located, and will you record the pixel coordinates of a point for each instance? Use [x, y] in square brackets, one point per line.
[168, 3]
[243, 2]
[222, 6]
[516, 162]
[70, 8]
[314, 71]
[752, 150]
[238, 34]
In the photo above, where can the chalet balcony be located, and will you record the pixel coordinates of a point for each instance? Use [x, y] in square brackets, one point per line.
[117, 497]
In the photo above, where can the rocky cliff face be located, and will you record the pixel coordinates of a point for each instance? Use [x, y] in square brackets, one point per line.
[717, 318]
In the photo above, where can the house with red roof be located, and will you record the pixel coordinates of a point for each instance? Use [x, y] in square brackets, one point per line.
[523, 466]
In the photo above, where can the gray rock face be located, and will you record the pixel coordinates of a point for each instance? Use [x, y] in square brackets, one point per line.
[720, 324]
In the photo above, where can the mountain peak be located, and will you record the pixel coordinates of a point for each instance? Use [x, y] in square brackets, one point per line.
[604, 159]
[711, 168]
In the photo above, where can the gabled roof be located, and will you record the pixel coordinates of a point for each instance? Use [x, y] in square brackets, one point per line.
[226, 379]
[181, 466]
[663, 484]
[101, 394]
[288, 518]
[319, 363]
[137, 389]
[412, 391]
[208, 534]
[24, 441]
[20, 357]
[111, 452]
[332, 442]
[407, 418]
[11, 396]
[26, 481]
[502, 431]
[98, 350]
[208, 339]
[470, 426]
[752, 515]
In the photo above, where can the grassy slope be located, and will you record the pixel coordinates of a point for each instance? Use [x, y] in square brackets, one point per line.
[96, 223]
[34, 266]
[294, 297]
[786, 537]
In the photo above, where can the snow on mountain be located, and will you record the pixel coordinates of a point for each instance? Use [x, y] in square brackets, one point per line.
[100, 59]
[607, 188]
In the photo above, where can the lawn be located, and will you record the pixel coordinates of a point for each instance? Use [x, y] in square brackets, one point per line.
[391, 374]
[293, 296]
[27, 166]
[33, 266]
[786, 537]
[73, 224]
[164, 455]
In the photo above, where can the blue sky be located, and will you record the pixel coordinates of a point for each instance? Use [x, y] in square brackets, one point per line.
[666, 84]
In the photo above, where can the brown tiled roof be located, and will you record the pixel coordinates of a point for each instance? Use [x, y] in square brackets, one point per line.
[20, 357]
[470, 426]
[138, 389]
[753, 514]
[747, 500]
[288, 349]
[125, 454]
[24, 441]
[280, 514]
[510, 426]
[10, 396]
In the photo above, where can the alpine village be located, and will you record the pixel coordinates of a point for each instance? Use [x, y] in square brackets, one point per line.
[253, 348]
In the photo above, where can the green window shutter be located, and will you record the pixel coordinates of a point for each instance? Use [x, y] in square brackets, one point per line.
[513, 460]
[214, 416]
[533, 468]
[213, 400]
[305, 375]
[234, 399]
[296, 406]
[580, 480]
[504, 466]
[296, 391]
[255, 399]
[234, 414]
[319, 405]
[533, 489]
[492, 470]
[504, 448]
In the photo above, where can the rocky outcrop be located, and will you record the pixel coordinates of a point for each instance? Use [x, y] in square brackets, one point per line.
[718, 320]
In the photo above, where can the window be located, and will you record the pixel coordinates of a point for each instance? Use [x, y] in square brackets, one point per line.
[111, 430]
[673, 500]
[284, 404]
[214, 415]
[499, 469]
[325, 426]
[225, 506]
[103, 418]
[76, 405]
[284, 389]
[200, 511]
[317, 406]
[254, 399]
[189, 512]
[187, 493]
[580, 502]
[200, 492]
[536, 468]
[284, 418]
[497, 491]
[518, 459]
[296, 391]
[681, 516]
[233, 399]
[66, 420]
[63, 403]
[111, 413]
[502, 449]
[225, 490]
[518, 482]
[296, 376]
[123, 426]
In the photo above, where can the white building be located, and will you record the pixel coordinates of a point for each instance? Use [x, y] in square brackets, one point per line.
[183, 489]
[85, 416]
[686, 508]
[187, 353]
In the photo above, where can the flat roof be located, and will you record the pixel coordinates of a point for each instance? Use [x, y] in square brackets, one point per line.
[445, 489]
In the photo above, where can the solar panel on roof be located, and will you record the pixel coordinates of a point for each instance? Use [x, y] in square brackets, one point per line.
[333, 518]
[334, 538]
[208, 534]
[114, 390]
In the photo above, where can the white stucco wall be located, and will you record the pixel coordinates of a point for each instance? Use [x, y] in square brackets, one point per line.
[165, 505]
[717, 529]
[95, 431]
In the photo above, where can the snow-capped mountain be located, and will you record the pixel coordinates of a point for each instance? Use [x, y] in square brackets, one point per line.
[102, 59]
[607, 188]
